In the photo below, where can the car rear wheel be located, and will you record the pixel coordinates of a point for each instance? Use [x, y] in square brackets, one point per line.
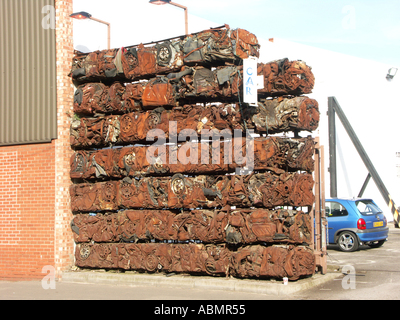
[348, 241]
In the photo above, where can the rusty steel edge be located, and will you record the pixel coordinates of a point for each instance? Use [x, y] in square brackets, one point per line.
[270, 153]
[210, 47]
[270, 117]
[266, 190]
[217, 260]
[192, 85]
[241, 226]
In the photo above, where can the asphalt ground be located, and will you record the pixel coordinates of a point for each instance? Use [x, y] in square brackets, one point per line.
[369, 274]
[376, 273]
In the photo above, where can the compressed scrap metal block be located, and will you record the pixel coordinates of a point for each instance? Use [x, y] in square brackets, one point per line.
[282, 115]
[94, 98]
[242, 226]
[271, 153]
[252, 261]
[192, 84]
[188, 258]
[278, 262]
[210, 47]
[271, 116]
[286, 77]
[263, 189]
[95, 197]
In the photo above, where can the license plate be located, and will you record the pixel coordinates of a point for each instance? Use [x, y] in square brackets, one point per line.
[378, 224]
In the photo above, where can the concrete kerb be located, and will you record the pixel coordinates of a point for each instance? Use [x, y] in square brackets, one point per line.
[203, 283]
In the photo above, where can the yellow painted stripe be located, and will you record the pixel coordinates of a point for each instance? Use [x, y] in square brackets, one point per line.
[396, 212]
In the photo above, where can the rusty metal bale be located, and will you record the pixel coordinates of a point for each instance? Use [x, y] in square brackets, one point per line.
[94, 197]
[286, 77]
[191, 85]
[241, 226]
[272, 116]
[210, 47]
[270, 153]
[276, 261]
[218, 260]
[283, 115]
[258, 189]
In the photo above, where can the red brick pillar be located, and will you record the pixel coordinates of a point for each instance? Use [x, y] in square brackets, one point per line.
[63, 244]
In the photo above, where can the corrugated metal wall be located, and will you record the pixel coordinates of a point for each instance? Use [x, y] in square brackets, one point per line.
[28, 102]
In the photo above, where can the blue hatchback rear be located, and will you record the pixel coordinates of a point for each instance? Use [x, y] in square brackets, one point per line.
[352, 222]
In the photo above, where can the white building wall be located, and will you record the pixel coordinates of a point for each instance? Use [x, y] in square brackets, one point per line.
[371, 104]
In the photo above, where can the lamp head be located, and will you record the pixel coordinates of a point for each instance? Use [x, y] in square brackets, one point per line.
[391, 73]
[81, 15]
[159, 2]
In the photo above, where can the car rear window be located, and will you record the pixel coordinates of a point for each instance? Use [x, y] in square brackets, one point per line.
[367, 207]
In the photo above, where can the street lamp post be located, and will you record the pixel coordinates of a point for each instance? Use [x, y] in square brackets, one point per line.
[84, 15]
[162, 2]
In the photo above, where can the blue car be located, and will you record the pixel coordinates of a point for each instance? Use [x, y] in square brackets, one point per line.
[353, 222]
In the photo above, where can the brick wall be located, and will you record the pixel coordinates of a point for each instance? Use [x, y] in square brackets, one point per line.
[35, 212]
[27, 182]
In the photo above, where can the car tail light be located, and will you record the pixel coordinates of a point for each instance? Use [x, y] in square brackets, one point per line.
[361, 224]
[385, 221]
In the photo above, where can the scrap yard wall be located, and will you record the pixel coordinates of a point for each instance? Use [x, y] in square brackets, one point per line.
[35, 212]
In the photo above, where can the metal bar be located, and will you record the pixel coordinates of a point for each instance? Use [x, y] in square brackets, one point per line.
[364, 186]
[317, 193]
[186, 15]
[108, 30]
[364, 156]
[332, 149]
[318, 213]
[173, 38]
[324, 223]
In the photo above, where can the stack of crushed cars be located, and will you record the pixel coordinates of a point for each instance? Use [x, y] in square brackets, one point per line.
[147, 201]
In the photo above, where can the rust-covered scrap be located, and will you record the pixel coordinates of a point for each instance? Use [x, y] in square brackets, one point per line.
[242, 226]
[276, 261]
[191, 85]
[270, 153]
[188, 258]
[209, 47]
[256, 190]
[94, 197]
[271, 116]
[283, 115]
[253, 261]
[286, 77]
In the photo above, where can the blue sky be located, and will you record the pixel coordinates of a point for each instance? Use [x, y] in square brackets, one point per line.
[369, 28]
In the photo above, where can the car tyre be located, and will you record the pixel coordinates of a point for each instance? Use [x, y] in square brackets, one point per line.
[348, 241]
[376, 244]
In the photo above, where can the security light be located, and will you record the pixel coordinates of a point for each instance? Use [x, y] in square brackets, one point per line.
[84, 15]
[81, 15]
[159, 2]
[391, 73]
